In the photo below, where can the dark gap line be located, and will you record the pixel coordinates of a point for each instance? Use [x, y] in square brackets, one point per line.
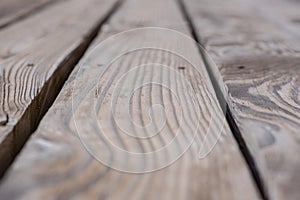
[226, 109]
[29, 13]
[27, 125]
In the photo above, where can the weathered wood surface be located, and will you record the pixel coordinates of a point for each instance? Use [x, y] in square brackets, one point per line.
[35, 62]
[13, 10]
[255, 45]
[54, 164]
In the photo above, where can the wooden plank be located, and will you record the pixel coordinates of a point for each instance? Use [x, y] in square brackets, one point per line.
[284, 15]
[13, 10]
[36, 57]
[257, 59]
[55, 161]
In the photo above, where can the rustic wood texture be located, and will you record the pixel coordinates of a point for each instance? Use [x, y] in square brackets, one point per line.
[54, 163]
[255, 45]
[34, 63]
[13, 10]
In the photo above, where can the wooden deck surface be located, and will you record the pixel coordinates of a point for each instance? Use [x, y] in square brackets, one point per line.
[140, 99]
[258, 61]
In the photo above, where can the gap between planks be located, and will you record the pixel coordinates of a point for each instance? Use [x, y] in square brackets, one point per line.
[258, 60]
[214, 77]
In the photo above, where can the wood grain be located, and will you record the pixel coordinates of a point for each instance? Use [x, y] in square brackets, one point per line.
[255, 45]
[14, 10]
[35, 62]
[54, 163]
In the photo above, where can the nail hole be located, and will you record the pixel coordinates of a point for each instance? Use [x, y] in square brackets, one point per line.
[181, 67]
[241, 67]
[30, 65]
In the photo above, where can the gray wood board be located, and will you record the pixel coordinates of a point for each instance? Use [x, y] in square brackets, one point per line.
[36, 56]
[14, 10]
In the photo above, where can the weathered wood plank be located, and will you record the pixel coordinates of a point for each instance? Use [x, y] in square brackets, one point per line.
[12, 10]
[36, 57]
[256, 49]
[55, 162]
